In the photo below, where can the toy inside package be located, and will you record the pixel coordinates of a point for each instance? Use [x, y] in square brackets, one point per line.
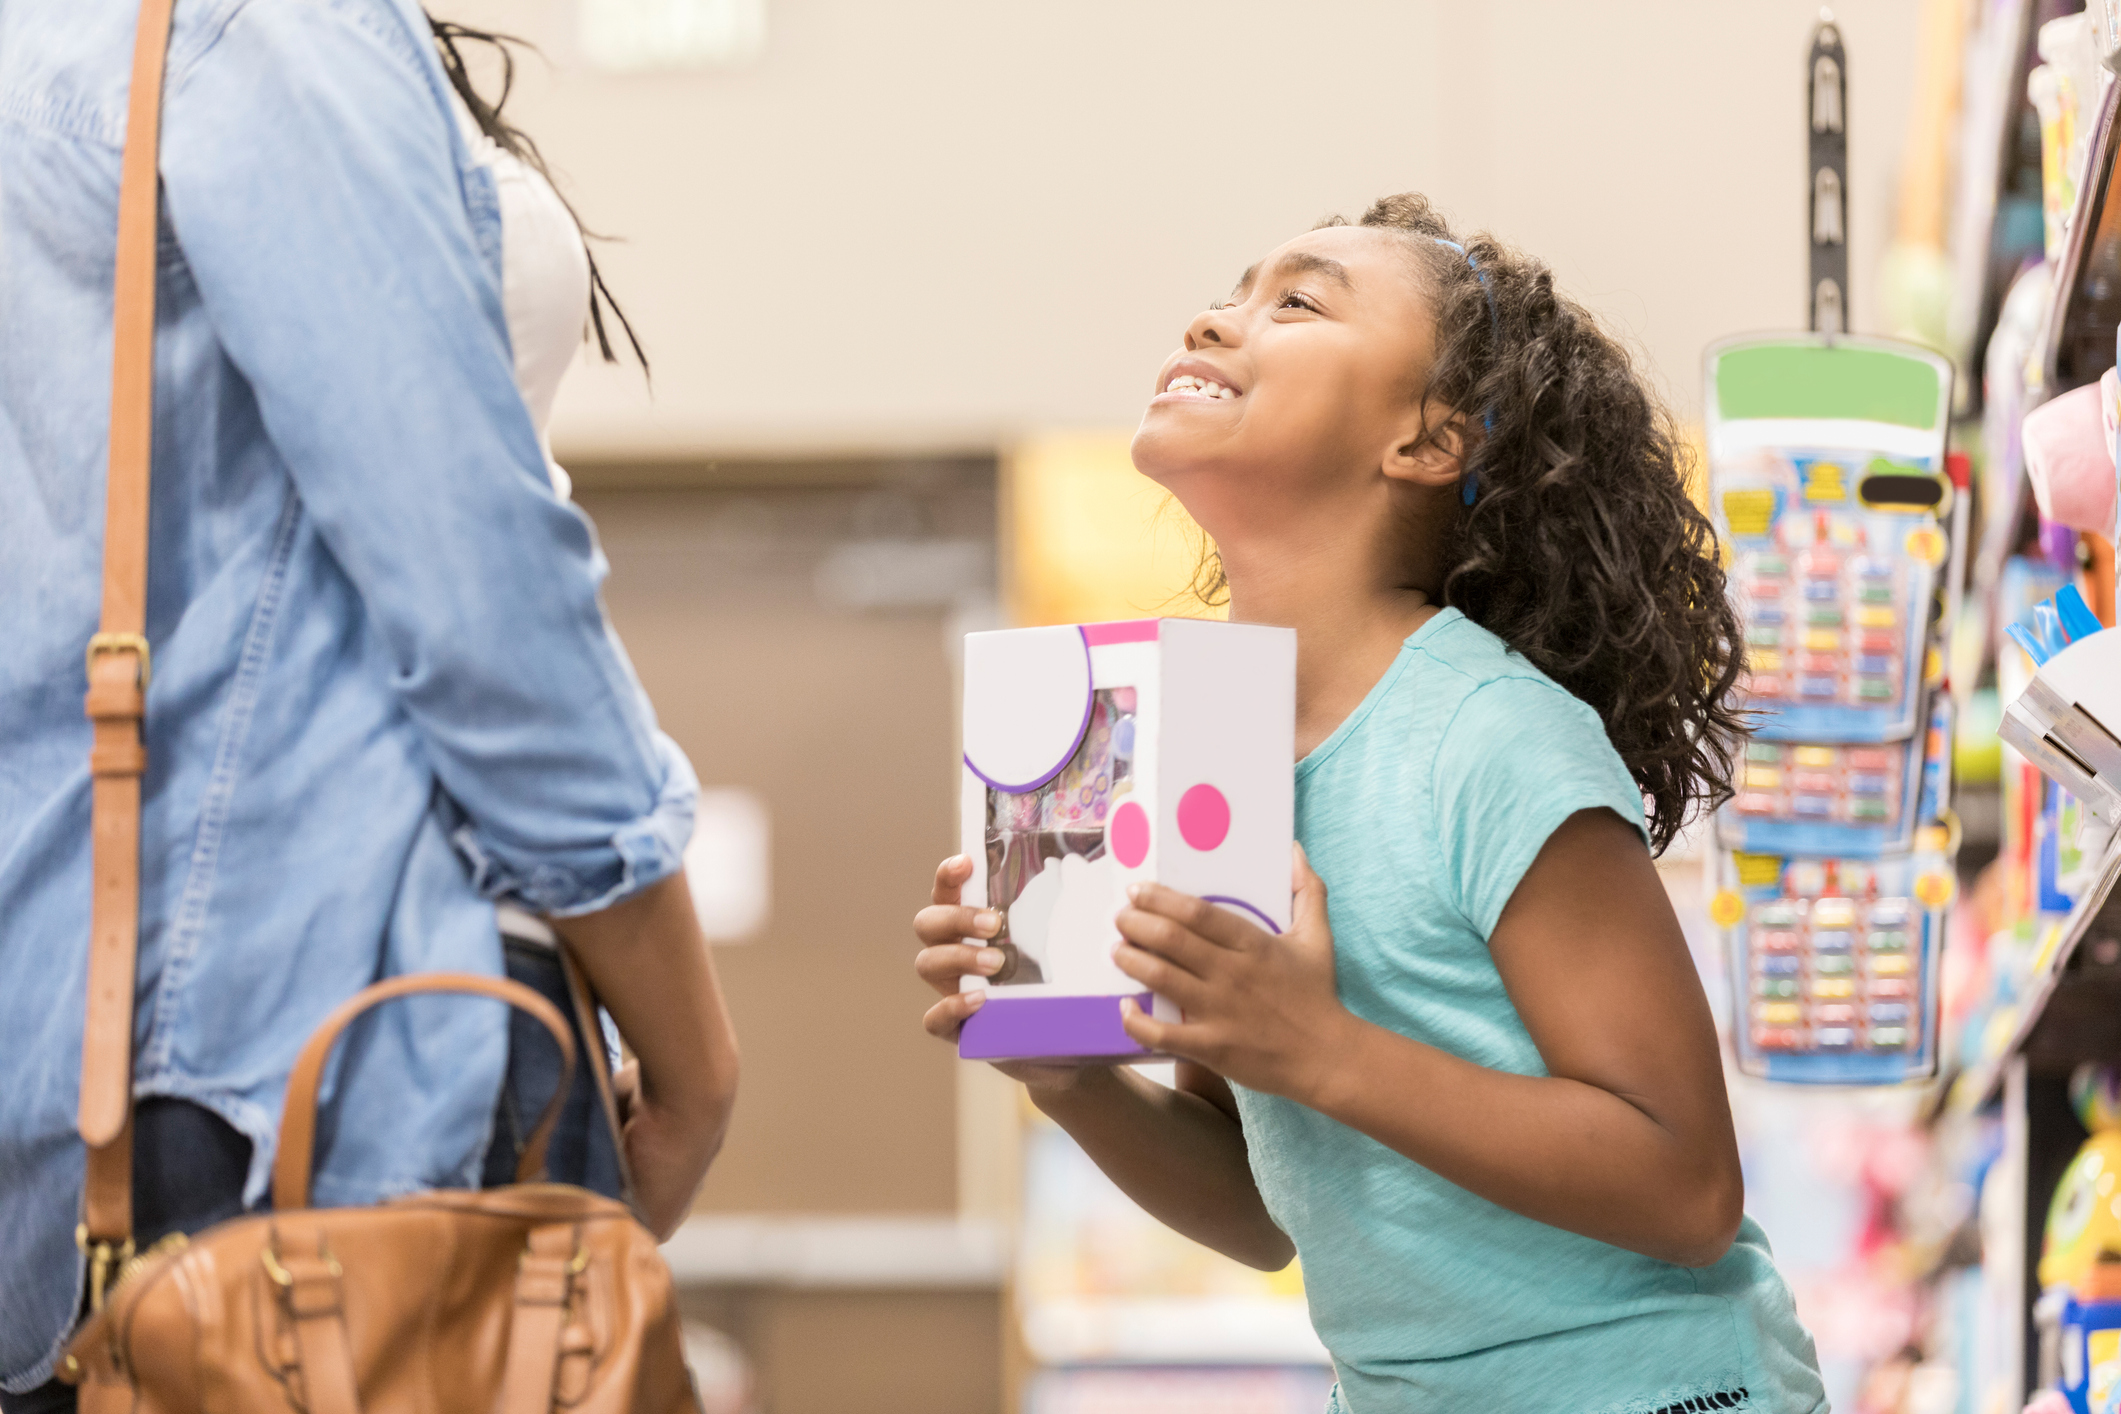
[1099, 756]
[2078, 1314]
[1864, 799]
[1834, 963]
[1826, 459]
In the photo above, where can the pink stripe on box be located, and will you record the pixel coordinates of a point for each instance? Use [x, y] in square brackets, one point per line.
[1125, 631]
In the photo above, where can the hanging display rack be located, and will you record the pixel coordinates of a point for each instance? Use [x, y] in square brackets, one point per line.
[1827, 106]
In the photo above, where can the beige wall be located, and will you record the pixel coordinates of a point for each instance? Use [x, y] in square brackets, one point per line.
[937, 223]
[841, 720]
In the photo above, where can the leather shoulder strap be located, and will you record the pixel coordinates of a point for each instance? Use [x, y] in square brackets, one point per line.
[118, 672]
[585, 1011]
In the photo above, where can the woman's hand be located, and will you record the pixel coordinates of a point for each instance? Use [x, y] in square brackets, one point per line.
[1258, 1009]
[667, 1151]
[648, 962]
[947, 930]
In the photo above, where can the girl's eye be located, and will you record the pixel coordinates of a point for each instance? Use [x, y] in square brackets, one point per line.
[1294, 299]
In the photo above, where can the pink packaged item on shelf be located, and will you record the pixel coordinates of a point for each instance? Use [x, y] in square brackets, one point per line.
[2069, 456]
[1098, 756]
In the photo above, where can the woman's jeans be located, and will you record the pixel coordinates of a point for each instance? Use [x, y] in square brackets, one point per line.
[189, 1163]
[583, 1151]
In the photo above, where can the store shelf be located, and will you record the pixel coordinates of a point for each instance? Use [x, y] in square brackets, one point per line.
[1213, 1330]
[845, 1254]
[2070, 1010]
[2079, 341]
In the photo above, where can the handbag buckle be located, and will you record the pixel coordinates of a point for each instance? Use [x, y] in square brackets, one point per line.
[575, 1264]
[104, 1257]
[123, 643]
[285, 1279]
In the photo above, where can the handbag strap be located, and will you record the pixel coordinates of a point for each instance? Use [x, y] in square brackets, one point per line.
[585, 1011]
[118, 671]
[298, 1114]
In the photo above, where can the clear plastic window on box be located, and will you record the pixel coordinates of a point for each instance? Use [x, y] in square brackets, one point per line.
[1039, 841]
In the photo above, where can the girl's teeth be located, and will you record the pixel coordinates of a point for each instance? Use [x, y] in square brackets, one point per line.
[1187, 383]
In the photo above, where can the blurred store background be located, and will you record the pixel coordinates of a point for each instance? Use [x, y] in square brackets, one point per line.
[904, 273]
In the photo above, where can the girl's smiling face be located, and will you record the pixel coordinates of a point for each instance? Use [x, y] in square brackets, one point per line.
[1299, 398]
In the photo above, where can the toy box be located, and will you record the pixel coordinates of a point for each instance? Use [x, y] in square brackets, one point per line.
[2078, 1315]
[1827, 465]
[1858, 800]
[1834, 962]
[2066, 718]
[1098, 756]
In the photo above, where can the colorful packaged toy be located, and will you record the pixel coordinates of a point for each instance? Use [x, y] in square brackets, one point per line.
[1100, 755]
[1827, 799]
[1830, 484]
[2079, 1311]
[1827, 459]
[2066, 719]
[1834, 964]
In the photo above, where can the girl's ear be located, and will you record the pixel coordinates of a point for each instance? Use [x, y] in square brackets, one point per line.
[1430, 450]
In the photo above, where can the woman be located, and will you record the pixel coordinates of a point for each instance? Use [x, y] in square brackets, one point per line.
[384, 693]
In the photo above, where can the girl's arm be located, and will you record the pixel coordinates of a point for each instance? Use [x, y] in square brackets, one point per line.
[1628, 1137]
[1179, 1153]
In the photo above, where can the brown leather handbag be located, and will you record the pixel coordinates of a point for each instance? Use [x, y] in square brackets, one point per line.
[518, 1300]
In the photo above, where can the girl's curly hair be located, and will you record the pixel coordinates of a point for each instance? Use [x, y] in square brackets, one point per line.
[1582, 548]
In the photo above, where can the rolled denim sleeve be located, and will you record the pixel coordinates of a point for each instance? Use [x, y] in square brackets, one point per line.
[312, 179]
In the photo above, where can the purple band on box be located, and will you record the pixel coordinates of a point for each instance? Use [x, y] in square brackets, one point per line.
[1042, 1028]
[1228, 902]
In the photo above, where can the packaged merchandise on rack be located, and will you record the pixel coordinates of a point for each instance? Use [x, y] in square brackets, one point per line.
[2030, 985]
[1995, 219]
[1827, 476]
[1834, 962]
[2010, 364]
[2078, 1316]
[2069, 456]
[2065, 721]
[2065, 89]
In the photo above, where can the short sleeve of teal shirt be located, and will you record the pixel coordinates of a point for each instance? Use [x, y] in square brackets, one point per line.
[1517, 758]
[1422, 813]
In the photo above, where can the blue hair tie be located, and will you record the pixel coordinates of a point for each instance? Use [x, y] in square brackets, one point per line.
[1471, 483]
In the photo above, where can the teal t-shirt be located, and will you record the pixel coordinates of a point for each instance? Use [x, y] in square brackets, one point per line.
[1421, 813]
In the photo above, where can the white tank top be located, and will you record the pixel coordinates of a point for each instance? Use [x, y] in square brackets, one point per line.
[544, 280]
[545, 295]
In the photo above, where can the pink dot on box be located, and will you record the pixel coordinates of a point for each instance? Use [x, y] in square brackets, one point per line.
[1129, 835]
[1203, 817]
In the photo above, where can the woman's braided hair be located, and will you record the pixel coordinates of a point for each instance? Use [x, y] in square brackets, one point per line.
[1582, 549]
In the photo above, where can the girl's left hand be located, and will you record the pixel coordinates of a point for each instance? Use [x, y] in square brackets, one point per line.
[1260, 1009]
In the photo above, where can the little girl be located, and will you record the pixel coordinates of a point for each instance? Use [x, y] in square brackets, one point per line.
[1475, 1086]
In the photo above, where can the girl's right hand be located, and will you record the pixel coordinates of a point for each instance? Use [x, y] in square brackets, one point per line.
[950, 949]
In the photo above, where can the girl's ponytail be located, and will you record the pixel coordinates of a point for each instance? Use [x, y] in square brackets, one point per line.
[1580, 545]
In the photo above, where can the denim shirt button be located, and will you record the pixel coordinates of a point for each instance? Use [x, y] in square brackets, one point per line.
[552, 886]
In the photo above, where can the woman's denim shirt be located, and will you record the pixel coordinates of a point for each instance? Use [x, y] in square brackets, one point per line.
[384, 689]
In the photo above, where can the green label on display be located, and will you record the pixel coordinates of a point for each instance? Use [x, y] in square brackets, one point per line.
[1839, 381]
